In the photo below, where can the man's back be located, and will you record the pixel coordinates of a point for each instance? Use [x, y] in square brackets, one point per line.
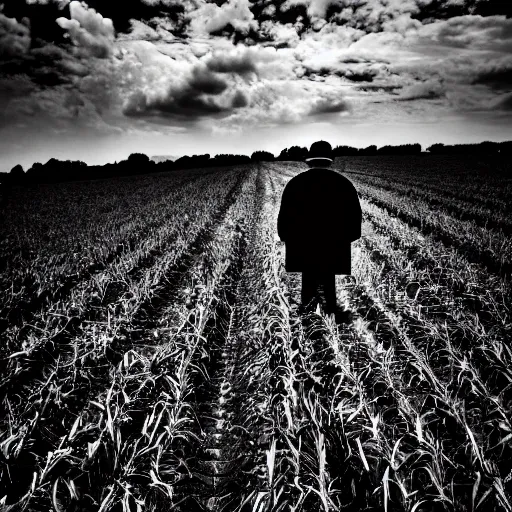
[319, 204]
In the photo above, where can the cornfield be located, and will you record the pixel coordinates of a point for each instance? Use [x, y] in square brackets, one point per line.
[153, 356]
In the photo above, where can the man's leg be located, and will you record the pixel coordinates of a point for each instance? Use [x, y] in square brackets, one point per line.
[329, 285]
[310, 283]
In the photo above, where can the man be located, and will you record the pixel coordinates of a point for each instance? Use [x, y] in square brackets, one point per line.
[320, 216]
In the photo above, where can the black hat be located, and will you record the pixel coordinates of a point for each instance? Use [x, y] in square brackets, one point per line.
[320, 150]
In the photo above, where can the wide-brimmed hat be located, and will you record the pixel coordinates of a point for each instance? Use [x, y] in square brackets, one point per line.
[320, 150]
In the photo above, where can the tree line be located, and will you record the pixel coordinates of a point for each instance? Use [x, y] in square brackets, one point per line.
[55, 170]
[137, 163]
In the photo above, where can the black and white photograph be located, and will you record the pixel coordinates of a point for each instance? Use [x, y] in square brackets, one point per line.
[255, 255]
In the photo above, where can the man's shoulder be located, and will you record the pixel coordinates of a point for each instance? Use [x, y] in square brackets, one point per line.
[319, 175]
[314, 173]
[323, 176]
[298, 178]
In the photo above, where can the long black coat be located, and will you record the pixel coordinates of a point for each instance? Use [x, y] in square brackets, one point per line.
[320, 216]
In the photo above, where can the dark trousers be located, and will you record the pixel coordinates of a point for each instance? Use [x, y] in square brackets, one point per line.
[311, 281]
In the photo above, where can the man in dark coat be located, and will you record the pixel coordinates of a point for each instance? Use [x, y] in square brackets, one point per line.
[320, 216]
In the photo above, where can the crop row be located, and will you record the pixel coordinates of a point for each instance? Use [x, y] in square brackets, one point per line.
[461, 411]
[484, 351]
[468, 179]
[75, 374]
[36, 282]
[496, 218]
[440, 280]
[183, 377]
[491, 248]
[428, 414]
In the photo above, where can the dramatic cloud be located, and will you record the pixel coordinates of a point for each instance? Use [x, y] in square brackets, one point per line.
[160, 66]
[61, 87]
[246, 61]
[14, 37]
[281, 35]
[210, 17]
[369, 15]
[493, 33]
[316, 8]
[496, 73]
[61, 3]
[276, 103]
[503, 103]
[235, 61]
[428, 90]
[329, 106]
[89, 30]
[272, 103]
[199, 94]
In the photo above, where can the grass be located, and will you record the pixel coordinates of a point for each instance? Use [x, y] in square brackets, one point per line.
[153, 356]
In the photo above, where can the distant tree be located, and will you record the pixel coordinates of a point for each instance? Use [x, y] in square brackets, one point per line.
[229, 159]
[283, 155]
[262, 156]
[138, 158]
[483, 148]
[166, 165]
[436, 149]
[298, 153]
[136, 163]
[368, 151]
[190, 162]
[344, 151]
[405, 149]
[412, 149]
[17, 171]
[201, 160]
[182, 162]
[489, 147]
[17, 174]
[505, 148]
[36, 168]
[295, 153]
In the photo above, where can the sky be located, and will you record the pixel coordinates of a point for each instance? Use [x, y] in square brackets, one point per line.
[100, 79]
